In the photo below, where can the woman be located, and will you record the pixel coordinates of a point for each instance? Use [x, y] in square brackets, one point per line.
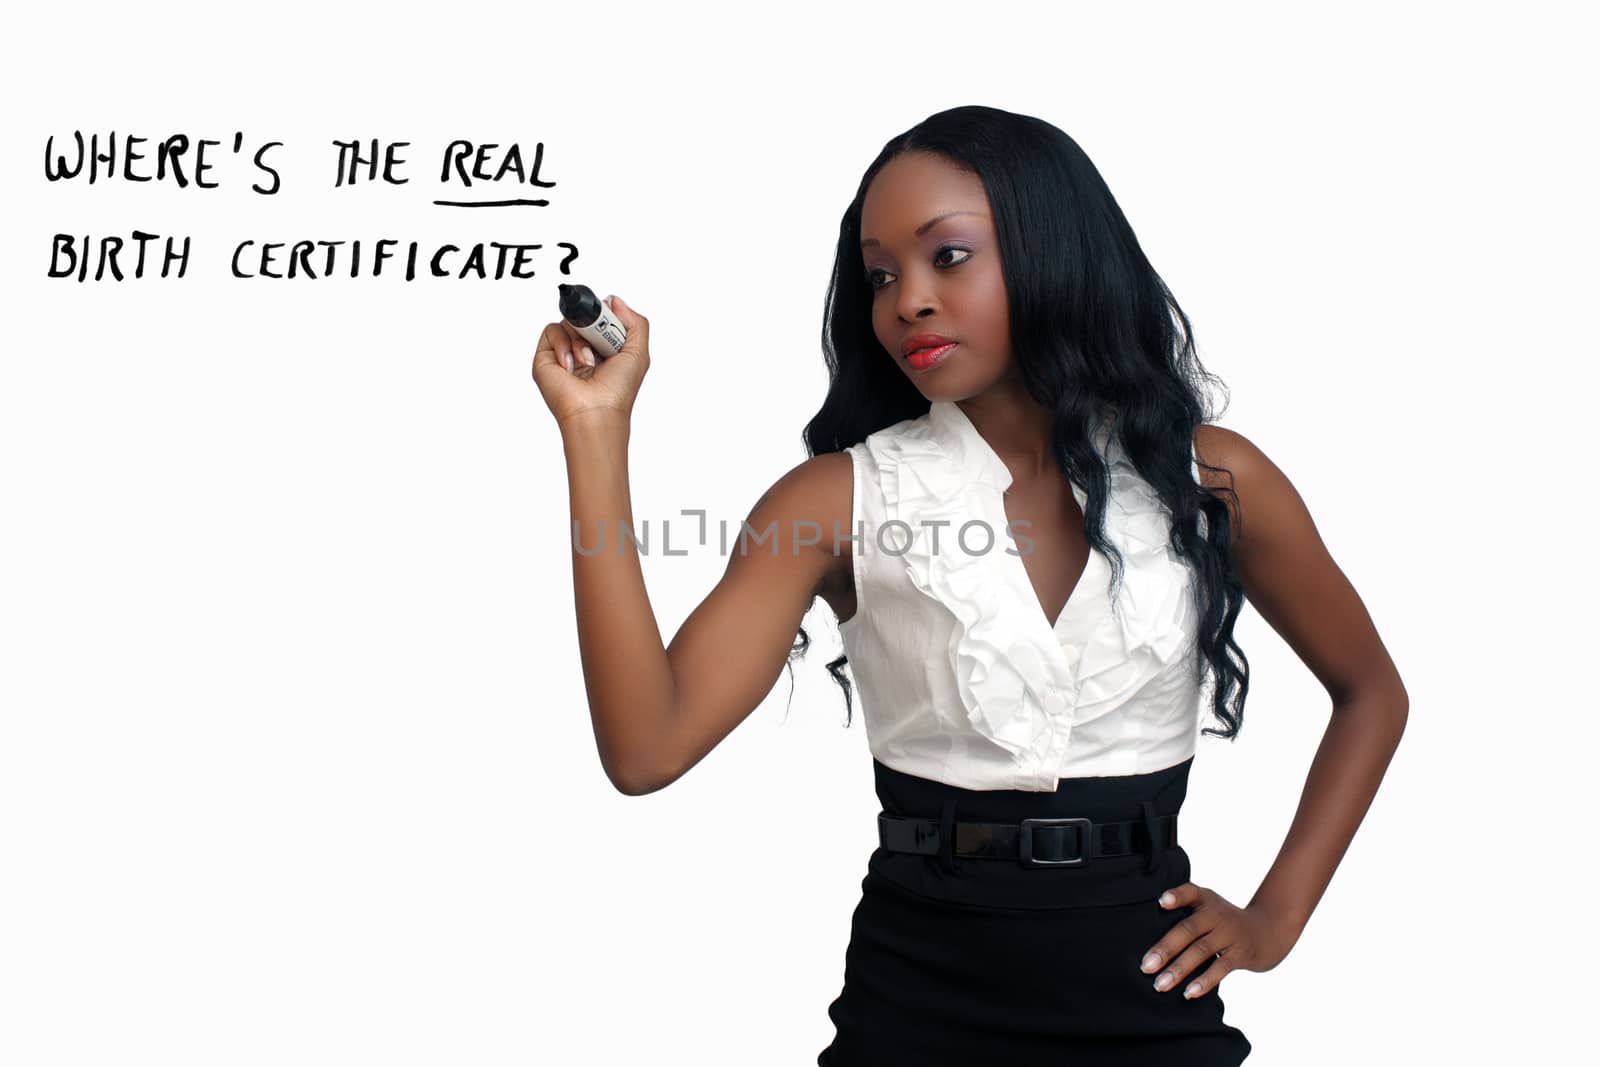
[1003, 358]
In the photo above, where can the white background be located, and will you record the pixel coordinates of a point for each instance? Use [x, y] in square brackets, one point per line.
[296, 763]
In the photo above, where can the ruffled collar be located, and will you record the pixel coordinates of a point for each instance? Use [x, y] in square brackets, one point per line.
[965, 446]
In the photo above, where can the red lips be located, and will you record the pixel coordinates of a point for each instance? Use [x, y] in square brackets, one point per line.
[923, 340]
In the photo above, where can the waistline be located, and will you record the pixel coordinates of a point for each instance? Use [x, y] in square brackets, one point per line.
[992, 882]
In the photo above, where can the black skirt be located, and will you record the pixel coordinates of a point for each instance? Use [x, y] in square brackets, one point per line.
[964, 961]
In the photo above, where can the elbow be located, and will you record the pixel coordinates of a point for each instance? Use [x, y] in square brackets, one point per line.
[632, 787]
[638, 782]
[642, 760]
[1399, 709]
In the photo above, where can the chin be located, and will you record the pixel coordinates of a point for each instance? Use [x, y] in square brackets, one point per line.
[956, 383]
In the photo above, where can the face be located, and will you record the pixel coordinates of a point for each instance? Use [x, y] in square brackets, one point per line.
[936, 276]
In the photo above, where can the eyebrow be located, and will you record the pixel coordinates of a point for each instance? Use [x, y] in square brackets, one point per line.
[926, 226]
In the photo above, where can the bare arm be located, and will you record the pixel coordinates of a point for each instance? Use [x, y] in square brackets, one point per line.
[625, 668]
[657, 711]
[731, 649]
[1290, 578]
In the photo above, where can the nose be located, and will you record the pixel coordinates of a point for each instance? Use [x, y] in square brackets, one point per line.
[914, 301]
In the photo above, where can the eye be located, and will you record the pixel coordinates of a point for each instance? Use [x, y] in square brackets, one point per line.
[967, 254]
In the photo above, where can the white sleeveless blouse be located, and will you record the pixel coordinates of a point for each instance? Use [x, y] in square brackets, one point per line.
[961, 677]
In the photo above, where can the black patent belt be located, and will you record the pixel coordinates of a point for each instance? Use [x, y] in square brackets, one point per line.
[1055, 842]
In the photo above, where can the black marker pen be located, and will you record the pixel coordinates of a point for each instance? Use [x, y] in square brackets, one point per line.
[592, 318]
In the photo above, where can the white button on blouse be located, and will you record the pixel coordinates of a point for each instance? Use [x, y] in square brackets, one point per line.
[961, 677]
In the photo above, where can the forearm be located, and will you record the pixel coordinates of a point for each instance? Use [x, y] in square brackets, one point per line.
[1349, 765]
[625, 668]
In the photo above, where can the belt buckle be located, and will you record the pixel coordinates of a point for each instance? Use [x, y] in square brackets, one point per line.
[1026, 842]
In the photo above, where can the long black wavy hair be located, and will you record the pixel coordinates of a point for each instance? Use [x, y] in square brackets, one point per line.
[1093, 327]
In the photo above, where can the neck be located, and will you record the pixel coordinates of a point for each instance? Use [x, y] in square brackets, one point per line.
[1016, 427]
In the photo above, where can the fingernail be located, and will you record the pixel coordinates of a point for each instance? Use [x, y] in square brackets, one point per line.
[1151, 962]
[1164, 981]
[588, 355]
[1167, 900]
[1192, 991]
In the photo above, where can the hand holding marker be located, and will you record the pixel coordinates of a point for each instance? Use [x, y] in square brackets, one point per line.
[567, 363]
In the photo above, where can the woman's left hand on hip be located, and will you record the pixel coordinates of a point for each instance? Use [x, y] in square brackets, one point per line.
[1232, 938]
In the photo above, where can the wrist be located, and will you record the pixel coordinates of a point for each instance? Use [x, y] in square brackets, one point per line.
[589, 424]
[1289, 920]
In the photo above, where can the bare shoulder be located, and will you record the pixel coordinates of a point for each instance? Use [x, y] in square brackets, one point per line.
[818, 489]
[1213, 445]
[815, 479]
[1216, 452]
[811, 506]
[1262, 503]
